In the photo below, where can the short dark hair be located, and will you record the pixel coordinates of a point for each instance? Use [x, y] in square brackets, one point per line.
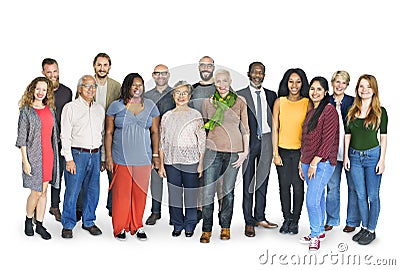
[102, 55]
[255, 63]
[48, 61]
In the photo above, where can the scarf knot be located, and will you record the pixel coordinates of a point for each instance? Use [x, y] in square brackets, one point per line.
[221, 105]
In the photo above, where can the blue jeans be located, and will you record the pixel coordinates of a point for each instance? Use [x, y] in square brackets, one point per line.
[88, 177]
[367, 183]
[218, 164]
[333, 199]
[183, 183]
[315, 196]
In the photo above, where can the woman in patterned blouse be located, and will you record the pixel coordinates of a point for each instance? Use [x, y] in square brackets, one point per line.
[181, 158]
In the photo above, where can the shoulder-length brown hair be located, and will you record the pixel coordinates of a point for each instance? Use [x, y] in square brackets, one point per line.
[373, 118]
[28, 97]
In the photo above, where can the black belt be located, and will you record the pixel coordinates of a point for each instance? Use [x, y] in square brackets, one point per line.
[95, 150]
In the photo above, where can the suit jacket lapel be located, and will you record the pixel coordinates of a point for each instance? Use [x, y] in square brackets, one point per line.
[249, 99]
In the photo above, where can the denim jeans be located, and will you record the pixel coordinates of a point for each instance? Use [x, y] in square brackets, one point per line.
[156, 187]
[333, 199]
[315, 196]
[218, 164]
[367, 183]
[183, 183]
[88, 177]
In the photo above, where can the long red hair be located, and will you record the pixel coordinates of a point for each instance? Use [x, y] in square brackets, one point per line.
[373, 118]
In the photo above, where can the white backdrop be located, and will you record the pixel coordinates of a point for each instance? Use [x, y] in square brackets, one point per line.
[318, 36]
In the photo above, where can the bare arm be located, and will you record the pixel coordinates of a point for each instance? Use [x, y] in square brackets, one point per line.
[346, 161]
[275, 133]
[161, 170]
[26, 165]
[155, 140]
[380, 167]
[108, 142]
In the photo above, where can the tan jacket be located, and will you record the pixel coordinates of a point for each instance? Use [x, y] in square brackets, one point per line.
[113, 91]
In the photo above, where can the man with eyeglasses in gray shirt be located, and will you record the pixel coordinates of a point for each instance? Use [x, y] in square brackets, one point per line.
[204, 89]
[161, 95]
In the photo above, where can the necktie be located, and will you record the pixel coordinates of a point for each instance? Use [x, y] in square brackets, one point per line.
[259, 115]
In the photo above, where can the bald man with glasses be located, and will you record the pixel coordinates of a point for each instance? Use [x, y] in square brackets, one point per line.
[161, 95]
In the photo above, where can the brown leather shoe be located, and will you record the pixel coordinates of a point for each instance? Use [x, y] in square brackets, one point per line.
[328, 227]
[249, 231]
[56, 213]
[205, 237]
[225, 234]
[66, 233]
[152, 219]
[349, 229]
[94, 230]
[267, 224]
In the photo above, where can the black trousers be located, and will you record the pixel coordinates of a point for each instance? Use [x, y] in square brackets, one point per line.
[289, 178]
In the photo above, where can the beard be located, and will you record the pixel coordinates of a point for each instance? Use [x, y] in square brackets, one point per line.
[56, 83]
[206, 75]
[101, 76]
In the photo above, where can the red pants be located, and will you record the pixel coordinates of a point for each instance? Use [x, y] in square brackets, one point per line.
[129, 192]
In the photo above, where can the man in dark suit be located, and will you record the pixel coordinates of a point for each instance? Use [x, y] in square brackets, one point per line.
[256, 169]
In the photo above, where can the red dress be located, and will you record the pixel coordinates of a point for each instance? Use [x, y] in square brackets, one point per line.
[47, 122]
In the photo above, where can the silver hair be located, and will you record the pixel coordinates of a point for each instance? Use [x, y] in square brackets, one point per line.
[183, 83]
[80, 82]
[223, 71]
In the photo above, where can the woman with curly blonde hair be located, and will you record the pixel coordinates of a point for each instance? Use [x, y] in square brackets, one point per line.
[364, 154]
[38, 141]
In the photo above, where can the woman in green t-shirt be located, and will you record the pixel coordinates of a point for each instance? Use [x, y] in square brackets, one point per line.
[364, 154]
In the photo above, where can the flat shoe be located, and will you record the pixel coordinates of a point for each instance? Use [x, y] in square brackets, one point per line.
[349, 229]
[176, 233]
[94, 230]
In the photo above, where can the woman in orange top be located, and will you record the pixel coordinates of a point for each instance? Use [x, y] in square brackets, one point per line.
[289, 113]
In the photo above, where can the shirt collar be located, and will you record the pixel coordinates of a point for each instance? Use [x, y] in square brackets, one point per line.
[84, 101]
[253, 89]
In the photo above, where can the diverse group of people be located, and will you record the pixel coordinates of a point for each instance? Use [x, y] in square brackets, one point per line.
[197, 137]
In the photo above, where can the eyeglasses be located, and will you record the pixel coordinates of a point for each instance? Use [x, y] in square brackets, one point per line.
[204, 65]
[86, 85]
[183, 94]
[162, 73]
